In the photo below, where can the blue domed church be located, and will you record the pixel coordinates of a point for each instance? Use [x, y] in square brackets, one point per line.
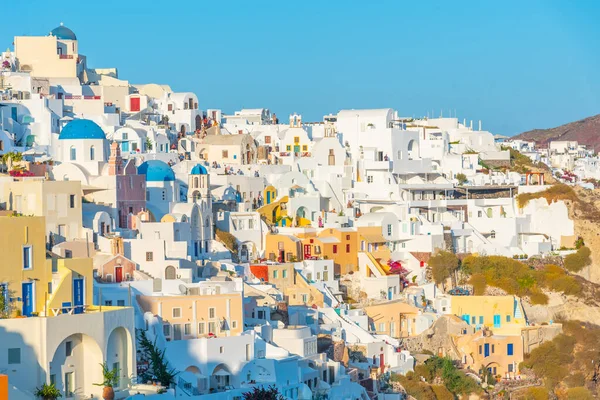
[161, 187]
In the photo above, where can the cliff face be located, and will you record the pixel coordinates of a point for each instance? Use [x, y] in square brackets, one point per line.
[585, 131]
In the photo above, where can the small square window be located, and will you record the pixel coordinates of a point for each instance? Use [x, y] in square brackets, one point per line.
[14, 356]
[225, 154]
[149, 256]
[221, 349]
[167, 330]
[304, 148]
[121, 303]
[177, 312]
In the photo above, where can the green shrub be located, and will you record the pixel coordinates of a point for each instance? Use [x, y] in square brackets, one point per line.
[575, 380]
[443, 264]
[577, 261]
[538, 298]
[479, 283]
[441, 393]
[579, 393]
[549, 360]
[552, 194]
[536, 393]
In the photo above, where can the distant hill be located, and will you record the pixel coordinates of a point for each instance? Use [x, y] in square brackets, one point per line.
[585, 131]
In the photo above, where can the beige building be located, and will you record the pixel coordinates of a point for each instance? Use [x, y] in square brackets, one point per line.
[296, 289]
[499, 354]
[195, 316]
[397, 319]
[58, 201]
[228, 149]
[52, 56]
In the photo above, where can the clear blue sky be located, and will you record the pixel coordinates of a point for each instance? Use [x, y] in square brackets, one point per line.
[516, 65]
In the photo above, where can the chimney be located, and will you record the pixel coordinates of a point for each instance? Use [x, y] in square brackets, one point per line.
[479, 124]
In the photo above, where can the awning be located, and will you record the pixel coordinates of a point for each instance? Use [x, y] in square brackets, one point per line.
[374, 238]
[221, 372]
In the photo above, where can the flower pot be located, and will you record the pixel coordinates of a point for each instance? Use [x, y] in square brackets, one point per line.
[108, 393]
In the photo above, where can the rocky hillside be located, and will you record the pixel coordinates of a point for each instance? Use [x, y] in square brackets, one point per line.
[585, 131]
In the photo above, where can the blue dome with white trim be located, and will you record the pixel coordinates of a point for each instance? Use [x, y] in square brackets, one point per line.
[156, 171]
[63, 33]
[81, 129]
[199, 170]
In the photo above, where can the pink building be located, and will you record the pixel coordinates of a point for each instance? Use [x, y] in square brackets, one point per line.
[131, 187]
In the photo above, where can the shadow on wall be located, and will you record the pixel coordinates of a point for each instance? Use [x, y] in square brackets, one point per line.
[19, 362]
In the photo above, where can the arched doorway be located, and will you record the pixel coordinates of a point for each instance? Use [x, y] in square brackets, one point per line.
[220, 377]
[413, 150]
[195, 196]
[198, 122]
[119, 353]
[170, 272]
[75, 366]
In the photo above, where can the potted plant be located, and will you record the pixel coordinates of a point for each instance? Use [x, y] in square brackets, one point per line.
[110, 379]
[47, 392]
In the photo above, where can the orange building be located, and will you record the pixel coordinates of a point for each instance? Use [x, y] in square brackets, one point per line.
[337, 244]
[282, 248]
[195, 316]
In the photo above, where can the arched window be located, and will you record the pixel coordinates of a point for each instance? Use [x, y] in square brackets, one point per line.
[73, 153]
[196, 182]
[207, 222]
[92, 153]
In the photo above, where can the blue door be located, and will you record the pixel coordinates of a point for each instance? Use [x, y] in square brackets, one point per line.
[268, 197]
[27, 289]
[467, 318]
[78, 295]
[486, 350]
[390, 294]
[496, 321]
[125, 147]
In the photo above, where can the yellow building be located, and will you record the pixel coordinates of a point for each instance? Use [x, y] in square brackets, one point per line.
[397, 319]
[33, 283]
[195, 316]
[337, 244]
[372, 241]
[294, 286]
[282, 248]
[275, 212]
[502, 314]
[49, 316]
[58, 201]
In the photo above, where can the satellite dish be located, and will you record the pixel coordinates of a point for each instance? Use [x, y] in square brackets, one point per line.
[183, 289]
